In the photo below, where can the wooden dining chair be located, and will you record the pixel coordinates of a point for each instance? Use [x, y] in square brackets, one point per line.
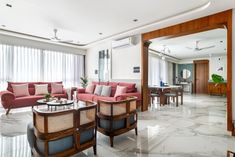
[155, 93]
[174, 95]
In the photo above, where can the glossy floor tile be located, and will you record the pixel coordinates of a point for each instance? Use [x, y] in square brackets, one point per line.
[196, 129]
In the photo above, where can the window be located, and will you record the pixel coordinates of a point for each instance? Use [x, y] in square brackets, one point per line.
[18, 63]
[104, 65]
[158, 70]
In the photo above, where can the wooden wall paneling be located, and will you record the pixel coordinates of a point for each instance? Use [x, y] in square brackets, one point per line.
[218, 20]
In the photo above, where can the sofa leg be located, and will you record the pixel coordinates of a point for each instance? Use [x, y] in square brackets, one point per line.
[8, 110]
[94, 149]
[111, 141]
[136, 131]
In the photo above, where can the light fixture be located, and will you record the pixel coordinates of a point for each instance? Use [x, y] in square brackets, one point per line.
[100, 33]
[3, 26]
[135, 20]
[9, 5]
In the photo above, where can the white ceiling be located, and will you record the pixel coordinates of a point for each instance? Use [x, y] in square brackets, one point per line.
[83, 20]
[178, 46]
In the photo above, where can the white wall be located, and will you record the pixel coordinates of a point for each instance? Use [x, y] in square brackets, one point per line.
[122, 63]
[214, 64]
[124, 59]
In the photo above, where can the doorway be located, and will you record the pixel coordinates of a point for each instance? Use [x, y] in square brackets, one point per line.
[219, 20]
[201, 76]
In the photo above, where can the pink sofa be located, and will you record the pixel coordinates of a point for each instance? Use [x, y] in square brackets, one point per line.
[9, 101]
[131, 91]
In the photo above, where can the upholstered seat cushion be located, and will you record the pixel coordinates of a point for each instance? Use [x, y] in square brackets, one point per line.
[85, 97]
[116, 124]
[56, 146]
[170, 94]
[26, 101]
[86, 136]
[30, 135]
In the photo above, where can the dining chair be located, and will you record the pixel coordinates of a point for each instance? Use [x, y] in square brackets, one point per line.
[155, 93]
[172, 94]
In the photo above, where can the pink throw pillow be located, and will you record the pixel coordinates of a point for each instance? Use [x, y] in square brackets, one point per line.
[56, 88]
[120, 90]
[20, 90]
[90, 89]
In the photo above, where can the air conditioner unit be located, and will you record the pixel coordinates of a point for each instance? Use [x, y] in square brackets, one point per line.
[122, 43]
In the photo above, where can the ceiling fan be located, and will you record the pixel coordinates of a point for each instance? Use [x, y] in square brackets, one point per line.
[196, 48]
[55, 38]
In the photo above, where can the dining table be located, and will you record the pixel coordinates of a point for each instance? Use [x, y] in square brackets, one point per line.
[162, 90]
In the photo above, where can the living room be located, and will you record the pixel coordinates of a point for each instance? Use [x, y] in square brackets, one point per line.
[109, 48]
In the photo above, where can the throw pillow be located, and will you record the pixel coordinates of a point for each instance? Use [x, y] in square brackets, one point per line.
[20, 90]
[41, 89]
[106, 91]
[98, 90]
[56, 88]
[120, 90]
[90, 89]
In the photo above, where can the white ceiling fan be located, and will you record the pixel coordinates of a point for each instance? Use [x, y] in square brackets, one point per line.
[57, 39]
[196, 48]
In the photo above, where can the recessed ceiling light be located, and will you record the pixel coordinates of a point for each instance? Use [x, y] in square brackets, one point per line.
[8, 5]
[221, 41]
[135, 20]
[3, 25]
[100, 33]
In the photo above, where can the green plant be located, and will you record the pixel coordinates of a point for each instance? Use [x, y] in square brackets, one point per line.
[47, 96]
[84, 81]
[217, 78]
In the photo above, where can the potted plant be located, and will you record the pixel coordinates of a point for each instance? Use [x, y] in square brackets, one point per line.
[217, 79]
[84, 82]
[47, 97]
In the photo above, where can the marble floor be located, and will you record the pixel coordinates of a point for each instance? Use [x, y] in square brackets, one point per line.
[196, 129]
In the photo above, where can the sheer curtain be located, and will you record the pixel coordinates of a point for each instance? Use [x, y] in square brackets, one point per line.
[26, 64]
[18, 63]
[5, 65]
[158, 70]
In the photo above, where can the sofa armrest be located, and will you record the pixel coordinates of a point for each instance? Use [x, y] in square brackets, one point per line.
[125, 95]
[7, 98]
[81, 90]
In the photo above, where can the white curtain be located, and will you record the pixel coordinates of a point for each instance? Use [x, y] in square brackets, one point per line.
[26, 64]
[19, 63]
[5, 65]
[158, 70]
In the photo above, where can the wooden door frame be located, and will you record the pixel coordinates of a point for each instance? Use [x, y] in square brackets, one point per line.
[194, 69]
[217, 20]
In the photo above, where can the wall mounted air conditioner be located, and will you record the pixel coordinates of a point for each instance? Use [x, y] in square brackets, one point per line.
[122, 43]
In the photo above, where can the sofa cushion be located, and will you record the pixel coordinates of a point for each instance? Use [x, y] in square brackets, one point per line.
[120, 90]
[98, 89]
[90, 89]
[56, 88]
[107, 98]
[85, 97]
[20, 90]
[26, 101]
[114, 86]
[130, 86]
[106, 91]
[41, 89]
[60, 95]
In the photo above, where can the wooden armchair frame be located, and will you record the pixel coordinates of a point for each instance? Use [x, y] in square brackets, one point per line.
[111, 132]
[75, 131]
